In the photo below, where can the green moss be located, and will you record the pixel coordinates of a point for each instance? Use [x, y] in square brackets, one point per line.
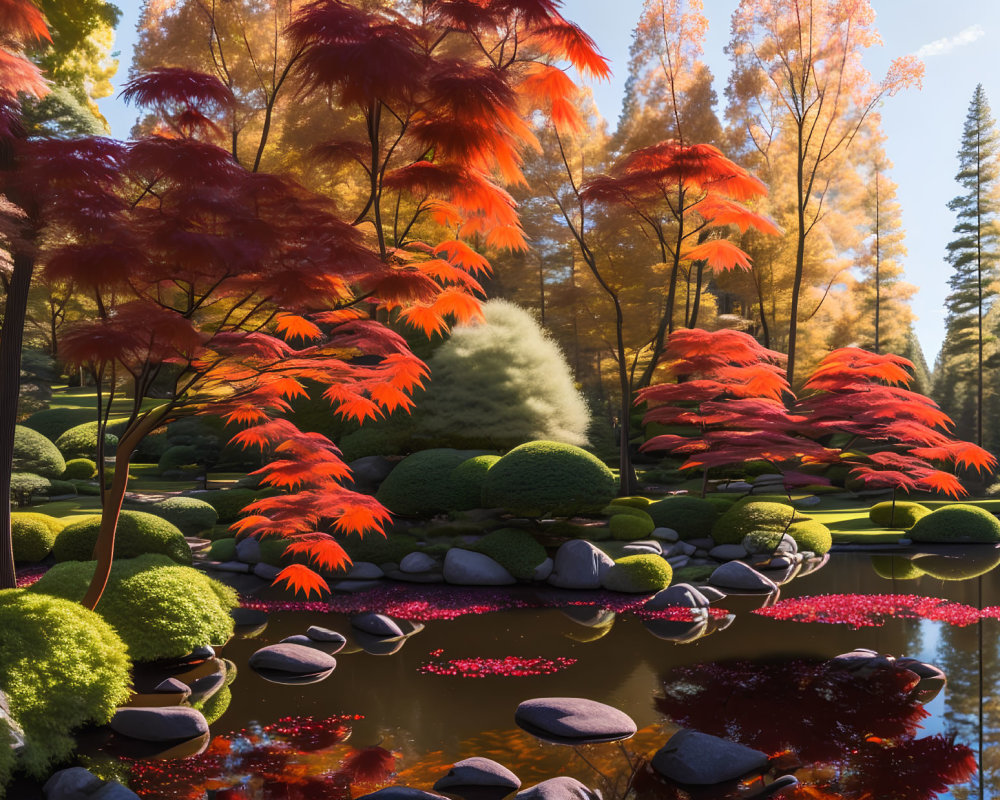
[379, 549]
[36, 454]
[722, 503]
[467, 481]
[691, 517]
[32, 538]
[628, 527]
[159, 608]
[549, 478]
[223, 550]
[272, 550]
[762, 540]
[638, 574]
[421, 484]
[811, 535]
[216, 705]
[191, 515]
[80, 469]
[612, 509]
[81, 442]
[515, 550]
[698, 573]
[959, 522]
[138, 533]
[753, 515]
[228, 503]
[905, 516]
[896, 568]
[62, 667]
[636, 501]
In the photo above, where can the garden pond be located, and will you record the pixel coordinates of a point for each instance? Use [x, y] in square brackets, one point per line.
[401, 713]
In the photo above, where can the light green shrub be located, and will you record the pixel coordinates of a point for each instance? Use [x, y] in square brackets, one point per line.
[636, 501]
[613, 508]
[421, 484]
[223, 550]
[753, 515]
[62, 667]
[35, 454]
[549, 478]
[905, 514]
[191, 515]
[628, 527]
[639, 574]
[32, 537]
[811, 535]
[467, 481]
[515, 550]
[24, 486]
[54, 524]
[138, 533]
[80, 469]
[970, 563]
[58, 487]
[763, 539]
[53, 422]
[159, 608]
[958, 522]
[81, 442]
[691, 517]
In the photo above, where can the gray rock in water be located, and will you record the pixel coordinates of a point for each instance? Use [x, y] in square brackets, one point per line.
[417, 562]
[711, 594]
[266, 571]
[159, 724]
[699, 759]
[787, 546]
[318, 634]
[579, 565]
[248, 550]
[543, 570]
[478, 771]
[204, 687]
[739, 576]
[573, 720]
[469, 568]
[172, 686]
[376, 625]
[683, 595]
[666, 534]
[71, 784]
[589, 616]
[728, 552]
[292, 659]
[401, 793]
[113, 790]
[561, 788]
[677, 631]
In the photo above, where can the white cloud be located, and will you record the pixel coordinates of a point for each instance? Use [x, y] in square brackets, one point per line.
[940, 47]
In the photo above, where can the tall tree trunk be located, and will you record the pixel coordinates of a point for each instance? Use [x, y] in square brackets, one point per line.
[627, 483]
[11, 338]
[800, 253]
[878, 276]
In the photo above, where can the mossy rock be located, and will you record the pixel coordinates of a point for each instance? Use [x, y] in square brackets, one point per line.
[32, 537]
[966, 564]
[638, 574]
[959, 522]
[635, 501]
[36, 454]
[629, 527]
[691, 517]
[421, 484]
[896, 568]
[515, 550]
[543, 478]
[695, 574]
[138, 533]
[191, 515]
[905, 515]
[81, 442]
[379, 549]
[228, 503]
[750, 516]
[612, 509]
[62, 667]
[80, 469]
[467, 481]
[223, 550]
[159, 608]
[811, 535]
[762, 539]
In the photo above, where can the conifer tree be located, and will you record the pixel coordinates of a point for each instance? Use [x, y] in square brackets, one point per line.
[974, 255]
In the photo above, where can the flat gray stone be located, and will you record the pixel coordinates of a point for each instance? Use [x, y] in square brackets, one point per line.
[739, 576]
[478, 771]
[579, 565]
[70, 784]
[204, 687]
[734, 486]
[417, 562]
[364, 571]
[266, 571]
[172, 686]
[401, 793]
[113, 790]
[231, 566]
[469, 568]
[318, 634]
[666, 534]
[159, 724]
[561, 788]
[634, 549]
[293, 659]
[705, 543]
[728, 552]
[573, 720]
[248, 550]
[368, 472]
[699, 759]
[543, 570]
[682, 595]
[376, 625]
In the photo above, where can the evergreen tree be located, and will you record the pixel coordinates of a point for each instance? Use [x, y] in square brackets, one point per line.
[974, 257]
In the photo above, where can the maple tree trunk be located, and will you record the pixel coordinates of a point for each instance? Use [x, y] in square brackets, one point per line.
[627, 483]
[11, 337]
[800, 250]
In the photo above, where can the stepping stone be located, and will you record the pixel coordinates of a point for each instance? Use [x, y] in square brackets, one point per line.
[579, 565]
[470, 777]
[682, 595]
[376, 625]
[292, 663]
[401, 793]
[573, 720]
[159, 724]
[417, 562]
[561, 788]
[332, 641]
[699, 759]
[737, 575]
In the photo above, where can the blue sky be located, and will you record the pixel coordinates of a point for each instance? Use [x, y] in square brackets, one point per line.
[959, 42]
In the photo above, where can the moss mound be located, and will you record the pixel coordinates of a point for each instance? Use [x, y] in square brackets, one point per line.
[80, 469]
[379, 549]
[35, 454]
[638, 574]
[749, 515]
[969, 563]
[628, 527]
[159, 608]
[191, 515]
[228, 503]
[896, 568]
[53, 422]
[33, 538]
[81, 442]
[811, 535]
[421, 484]
[138, 533]
[515, 550]
[62, 667]
[180, 456]
[691, 517]
[957, 523]
[636, 501]
[549, 478]
[224, 549]
[467, 481]
[905, 515]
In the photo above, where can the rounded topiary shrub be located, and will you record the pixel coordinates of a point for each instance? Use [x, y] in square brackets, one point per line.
[228, 503]
[811, 535]
[628, 527]
[191, 515]
[638, 574]
[25, 485]
[691, 517]
[515, 550]
[549, 478]
[62, 667]
[378, 549]
[80, 469]
[35, 454]
[961, 566]
[467, 481]
[138, 533]
[81, 442]
[753, 515]
[613, 508]
[32, 537]
[223, 550]
[959, 522]
[159, 608]
[180, 456]
[421, 484]
[896, 568]
[636, 501]
[53, 422]
[900, 514]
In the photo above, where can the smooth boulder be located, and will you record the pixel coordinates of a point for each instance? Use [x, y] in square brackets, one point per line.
[680, 595]
[469, 568]
[376, 625]
[573, 720]
[561, 788]
[700, 759]
[478, 772]
[579, 565]
[741, 577]
[292, 661]
[160, 723]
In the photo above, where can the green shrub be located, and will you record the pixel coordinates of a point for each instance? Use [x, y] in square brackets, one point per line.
[223, 550]
[191, 515]
[272, 550]
[54, 524]
[763, 539]
[753, 515]
[62, 667]
[467, 481]
[636, 501]
[515, 550]
[379, 549]
[970, 563]
[80, 469]
[390, 436]
[86, 488]
[638, 574]
[228, 503]
[24, 486]
[36, 454]
[138, 533]
[159, 608]
[905, 514]
[81, 442]
[421, 484]
[180, 456]
[57, 488]
[549, 478]
[722, 503]
[32, 537]
[612, 509]
[53, 422]
[628, 527]
[958, 522]
[691, 517]
[811, 535]
[896, 568]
